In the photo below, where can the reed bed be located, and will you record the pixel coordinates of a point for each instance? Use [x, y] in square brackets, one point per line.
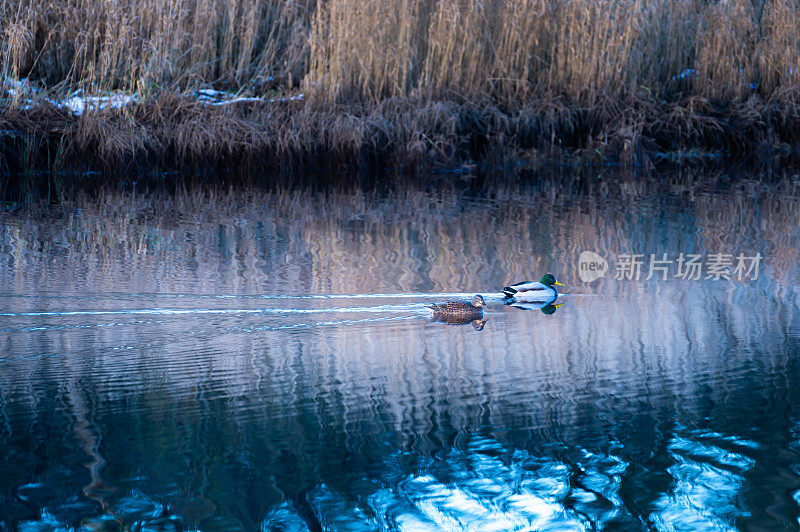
[385, 81]
[368, 50]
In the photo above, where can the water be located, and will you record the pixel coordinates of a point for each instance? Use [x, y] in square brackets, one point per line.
[212, 362]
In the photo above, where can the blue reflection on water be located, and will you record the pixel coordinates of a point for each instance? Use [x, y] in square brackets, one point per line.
[708, 476]
[279, 369]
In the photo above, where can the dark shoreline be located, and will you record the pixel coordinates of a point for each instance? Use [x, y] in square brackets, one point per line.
[307, 144]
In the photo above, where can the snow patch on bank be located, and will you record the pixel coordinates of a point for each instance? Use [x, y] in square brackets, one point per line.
[215, 97]
[27, 96]
[78, 104]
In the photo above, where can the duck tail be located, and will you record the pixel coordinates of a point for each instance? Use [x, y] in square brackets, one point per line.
[509, 291]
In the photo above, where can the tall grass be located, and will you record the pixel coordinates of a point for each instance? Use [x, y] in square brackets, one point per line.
[148, 45]
[369, 50]
[408, 84]
[776, 57]
[586, 50]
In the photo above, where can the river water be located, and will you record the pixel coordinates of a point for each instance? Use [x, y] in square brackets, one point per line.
[253, 361]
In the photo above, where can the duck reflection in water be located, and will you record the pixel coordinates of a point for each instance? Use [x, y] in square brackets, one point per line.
[547, 308]
[461, 312]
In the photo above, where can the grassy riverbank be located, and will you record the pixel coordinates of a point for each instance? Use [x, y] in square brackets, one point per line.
[396, 84]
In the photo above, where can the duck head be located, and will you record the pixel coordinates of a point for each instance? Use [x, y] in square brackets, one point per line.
[478, 302]
[550, 309]
[549, 279]
[478, 324]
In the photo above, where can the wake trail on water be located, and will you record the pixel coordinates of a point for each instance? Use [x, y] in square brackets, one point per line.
[290, 297]
[181, 312]
[414, 308]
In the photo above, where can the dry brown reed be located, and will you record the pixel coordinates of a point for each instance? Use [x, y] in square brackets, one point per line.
[728, 30]
[586, 50]
[149, 45]
[402, 81]
[777, 56]
[367, 50]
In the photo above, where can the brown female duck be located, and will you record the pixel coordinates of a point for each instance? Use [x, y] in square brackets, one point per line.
[460, 312]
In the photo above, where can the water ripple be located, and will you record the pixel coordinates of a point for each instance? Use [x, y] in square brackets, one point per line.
[187, 363]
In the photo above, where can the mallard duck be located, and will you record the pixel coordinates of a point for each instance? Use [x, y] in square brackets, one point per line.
[532, 291]
[459, 312]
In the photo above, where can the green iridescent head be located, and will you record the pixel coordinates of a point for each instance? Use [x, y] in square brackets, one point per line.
[549, 279]
[550, 309]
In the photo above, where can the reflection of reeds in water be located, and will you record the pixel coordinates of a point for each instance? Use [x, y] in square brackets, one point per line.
[295, 243]
[360, 244]
[299, 401]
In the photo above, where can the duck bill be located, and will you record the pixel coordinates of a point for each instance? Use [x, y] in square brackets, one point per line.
[558, 305]
[559, 284]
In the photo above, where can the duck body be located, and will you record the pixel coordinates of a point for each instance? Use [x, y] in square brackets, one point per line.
[459, 312]
[456, 310]
[530, 292]
[543, 291]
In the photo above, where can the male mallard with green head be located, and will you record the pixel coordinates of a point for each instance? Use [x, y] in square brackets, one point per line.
[459, 312]
[532, 291]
